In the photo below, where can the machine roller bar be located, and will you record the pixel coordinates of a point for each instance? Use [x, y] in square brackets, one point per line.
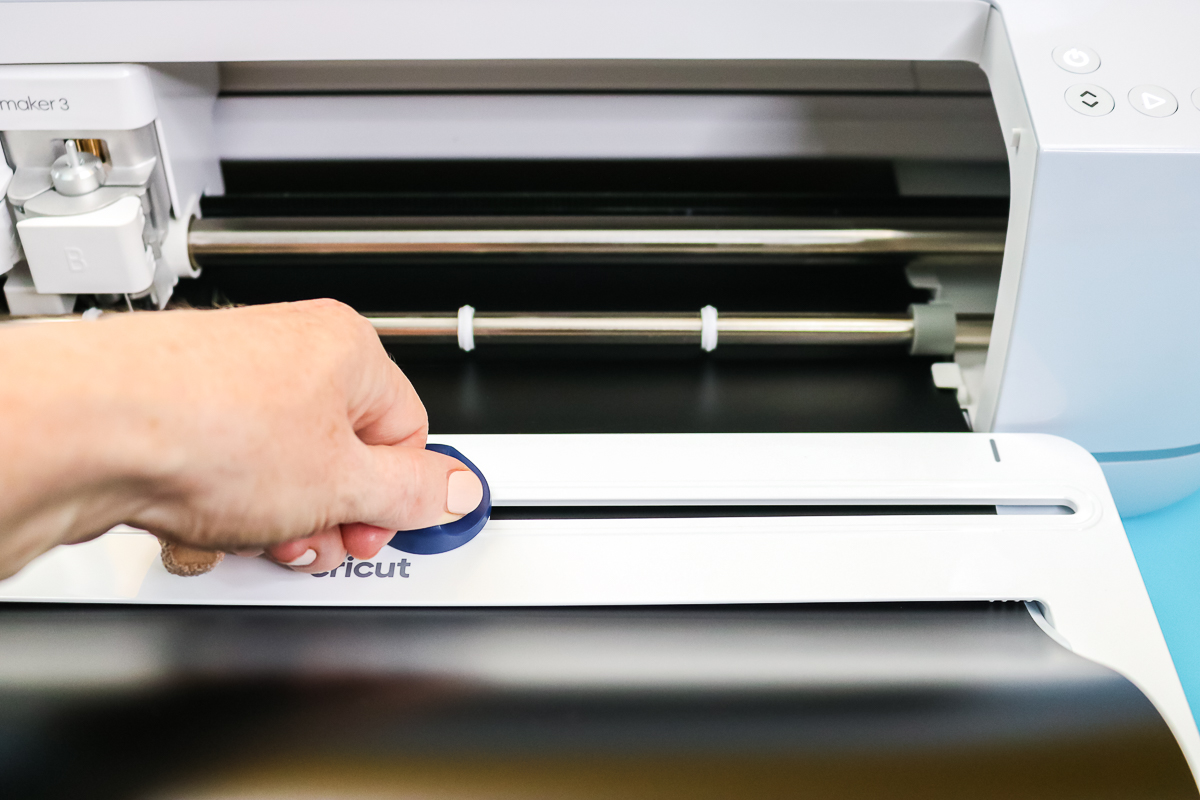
[265, 236]
[649, 329]
[773, 329]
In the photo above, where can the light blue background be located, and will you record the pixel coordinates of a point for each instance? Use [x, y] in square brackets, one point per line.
[1166, 544]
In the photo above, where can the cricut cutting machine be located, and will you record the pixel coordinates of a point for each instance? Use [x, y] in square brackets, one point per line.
[777, 327]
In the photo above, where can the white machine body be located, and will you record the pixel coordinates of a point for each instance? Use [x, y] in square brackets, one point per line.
[1076, 567]
[1092, 337]
[1093, 340]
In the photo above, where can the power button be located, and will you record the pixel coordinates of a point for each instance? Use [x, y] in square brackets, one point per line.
[1080, 60]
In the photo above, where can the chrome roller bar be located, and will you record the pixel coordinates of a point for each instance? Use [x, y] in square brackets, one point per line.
[927, 330]
[371, 236]
[648, 329]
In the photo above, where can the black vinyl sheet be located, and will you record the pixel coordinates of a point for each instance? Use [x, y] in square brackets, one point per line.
[923, 701]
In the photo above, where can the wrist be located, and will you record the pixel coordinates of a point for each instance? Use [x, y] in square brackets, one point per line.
[71, 469]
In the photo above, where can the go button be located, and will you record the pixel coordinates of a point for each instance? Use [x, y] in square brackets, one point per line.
[1081, 60]
[1153, 101]
[1090, 99]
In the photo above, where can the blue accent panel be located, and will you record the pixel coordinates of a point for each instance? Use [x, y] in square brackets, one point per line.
[1147, 455]
[1166, 544]
[444, 538]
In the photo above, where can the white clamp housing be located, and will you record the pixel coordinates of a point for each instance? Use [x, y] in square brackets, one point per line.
[100, 252]
[151, 133]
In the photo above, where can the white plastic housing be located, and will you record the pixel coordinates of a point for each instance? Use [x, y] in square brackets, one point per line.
[1079, 566]
[100, 252]
[41, 104]
[23, 298]
[8, 235]
[80, 96]
[1093, 336]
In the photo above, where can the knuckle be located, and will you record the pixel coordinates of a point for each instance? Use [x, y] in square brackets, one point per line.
[327, 304]
[422, 418]
[336, 314]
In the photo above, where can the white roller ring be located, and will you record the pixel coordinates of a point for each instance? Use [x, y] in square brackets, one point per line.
[708, 328]
[466, 328]
[175, 249]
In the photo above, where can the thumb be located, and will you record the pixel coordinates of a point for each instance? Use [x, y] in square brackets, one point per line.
[404, 488]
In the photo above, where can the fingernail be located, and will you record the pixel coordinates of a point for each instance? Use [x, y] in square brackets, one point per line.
[464, 492]
[304, 559]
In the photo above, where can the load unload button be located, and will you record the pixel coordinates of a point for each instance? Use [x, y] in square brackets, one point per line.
[1089, 99]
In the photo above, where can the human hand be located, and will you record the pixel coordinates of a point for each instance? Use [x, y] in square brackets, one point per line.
[284, 426]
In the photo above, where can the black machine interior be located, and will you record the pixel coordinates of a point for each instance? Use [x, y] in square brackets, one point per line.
[664, 388]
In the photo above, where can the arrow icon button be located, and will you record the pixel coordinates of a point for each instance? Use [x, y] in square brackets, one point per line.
[1089, 99]
[1153, 101]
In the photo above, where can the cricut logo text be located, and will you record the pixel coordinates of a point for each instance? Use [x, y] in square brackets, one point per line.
[367, 569]
[30, 104]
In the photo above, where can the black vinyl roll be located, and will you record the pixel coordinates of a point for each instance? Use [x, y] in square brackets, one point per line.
[841, 702]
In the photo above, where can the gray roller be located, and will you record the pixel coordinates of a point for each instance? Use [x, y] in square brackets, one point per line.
[935, 329]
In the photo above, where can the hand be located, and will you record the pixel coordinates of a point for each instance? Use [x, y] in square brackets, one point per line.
[284, 426]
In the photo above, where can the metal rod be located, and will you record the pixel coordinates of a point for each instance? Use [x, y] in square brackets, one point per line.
[349, 236]
[732, 329]
[973, 331]
[651, 329]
